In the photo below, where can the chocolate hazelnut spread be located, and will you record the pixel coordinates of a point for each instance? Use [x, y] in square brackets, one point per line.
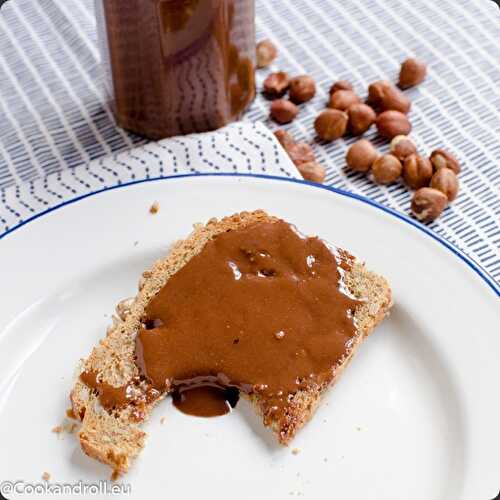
[177, 66]
[109, 396]
[135, 393]
[260, 309]
[206, 400]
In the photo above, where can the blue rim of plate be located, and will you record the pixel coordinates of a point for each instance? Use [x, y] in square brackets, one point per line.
[485, 276]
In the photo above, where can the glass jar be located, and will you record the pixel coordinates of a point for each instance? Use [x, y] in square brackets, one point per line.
[177, 66]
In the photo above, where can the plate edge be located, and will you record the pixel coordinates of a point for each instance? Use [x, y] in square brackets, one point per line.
[476, 267]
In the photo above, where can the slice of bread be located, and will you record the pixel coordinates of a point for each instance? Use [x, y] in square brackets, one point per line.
[116, 438]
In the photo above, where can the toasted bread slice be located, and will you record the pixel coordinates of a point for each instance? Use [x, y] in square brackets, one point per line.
[116, 438]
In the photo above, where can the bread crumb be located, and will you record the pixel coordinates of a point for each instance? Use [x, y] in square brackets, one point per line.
[162, 420]
[295, 451]
[279, 335]
[154, 208]
[70, 413]
[123, 307]
[67, 425]
[45, 476]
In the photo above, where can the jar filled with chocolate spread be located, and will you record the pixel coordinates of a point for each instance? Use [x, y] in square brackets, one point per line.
[177, 66]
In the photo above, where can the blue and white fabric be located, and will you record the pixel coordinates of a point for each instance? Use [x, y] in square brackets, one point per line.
[58, 138]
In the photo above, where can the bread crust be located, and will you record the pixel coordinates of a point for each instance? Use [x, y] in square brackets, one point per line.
[116, 439]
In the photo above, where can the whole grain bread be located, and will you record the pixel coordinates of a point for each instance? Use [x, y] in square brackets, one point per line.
[116, 438]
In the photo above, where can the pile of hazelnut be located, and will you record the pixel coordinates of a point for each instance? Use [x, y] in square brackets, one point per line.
[302, 155]
[387, 106]
[434, 178]
[300, 89]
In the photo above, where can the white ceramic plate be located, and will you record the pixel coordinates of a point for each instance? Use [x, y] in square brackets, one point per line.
[415, 416]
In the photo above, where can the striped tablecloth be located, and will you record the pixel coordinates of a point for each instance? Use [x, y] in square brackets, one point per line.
[53, 115]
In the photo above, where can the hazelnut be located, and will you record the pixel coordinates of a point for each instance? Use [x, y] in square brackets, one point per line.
[402, 146]
[343, 100]
[428, 204]
[276, 84]
[154, 209]
[417, 171]
[442, 159]
[412, 73]
[340, 85]
[446, 181]
[300, 152]
[376, 91]
[361, 155]
[392, 123]
[361, 118]
[283, 111]
[386, 169]
[284, 138]
[331, 124]
[395, 99]
[266, 53]
[385, 96]
[312, 171]
[302, 89]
